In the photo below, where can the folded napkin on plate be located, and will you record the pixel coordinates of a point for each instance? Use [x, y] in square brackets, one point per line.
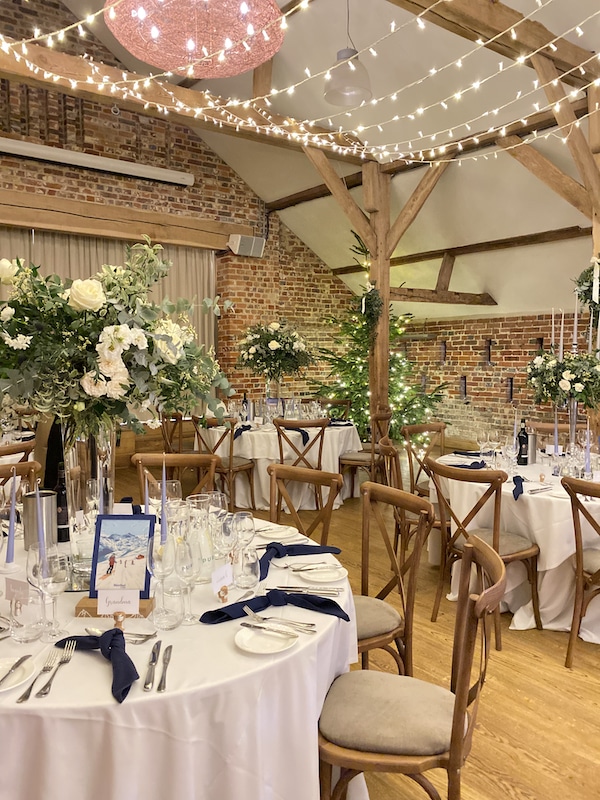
[518, 490]
[240, 429]
[275, 597]
[472, 465]
[112, 646]
[279, 550]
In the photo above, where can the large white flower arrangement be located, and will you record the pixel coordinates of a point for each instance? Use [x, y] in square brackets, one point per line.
[274, 350]
[576, 377]
[95, 352]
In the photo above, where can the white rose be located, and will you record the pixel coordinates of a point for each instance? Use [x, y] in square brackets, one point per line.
[115, 389]
[579, 387]
[86, 295]
[273, 345]
[252, 350]
[551, 363]
[8, 270]
[568, 375]
[274, 326]
[538, 361]
[564, 385]
[7, 313]
[93, 385]
[111, 367]
[138, 339]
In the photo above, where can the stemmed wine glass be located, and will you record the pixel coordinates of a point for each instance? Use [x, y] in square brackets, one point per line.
[161, 563]
[187, 567]
[23, 488]
[482, 440]
[494, 442]
[243, 522]
[511, 448]
[225, 535]
[50, 573]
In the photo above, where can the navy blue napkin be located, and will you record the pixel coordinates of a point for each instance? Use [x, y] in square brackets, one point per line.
[302, 433]
[472, 465]
[275, 597]
[468, 453]
[240, 429]
[278, 550]
[112, 646]
[518, 490]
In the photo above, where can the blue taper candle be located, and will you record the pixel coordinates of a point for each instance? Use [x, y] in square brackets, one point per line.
[10, 545]
[163, 498]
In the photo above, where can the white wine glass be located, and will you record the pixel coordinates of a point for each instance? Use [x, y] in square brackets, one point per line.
[482, 439]
[52, 571]
[494, 443]
[187, 567]
[243, 522]
[246, 568]
[161, 563]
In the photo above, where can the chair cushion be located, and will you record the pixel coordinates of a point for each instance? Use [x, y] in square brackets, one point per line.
[383, 713]
[509, 542]
[591, 561]
[374, 617]
[237, 463]
[360, 457]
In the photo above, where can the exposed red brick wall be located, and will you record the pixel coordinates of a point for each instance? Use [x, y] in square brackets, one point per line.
[515, 341]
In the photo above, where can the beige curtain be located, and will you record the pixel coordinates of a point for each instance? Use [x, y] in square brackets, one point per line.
[192, 275]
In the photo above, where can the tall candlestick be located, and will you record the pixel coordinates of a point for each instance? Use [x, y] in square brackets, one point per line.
[575, 316]
[146, 498]
[163, 498]
[588, 458]
[552, 341]
[561, 342]
[10, 545]
[515, 427]
[590, 331]
[555, 430]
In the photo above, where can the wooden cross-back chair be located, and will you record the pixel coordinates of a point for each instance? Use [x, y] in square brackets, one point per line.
[22, 469]
[374, 721]
[418, 451]
[338, 408]
[204, 466]
[22, 449]
[405, 522]
[231, 466]
[369, 458]
[281, 475]
[457, 530]
[379, 623]
[308, 455]
[587, 559]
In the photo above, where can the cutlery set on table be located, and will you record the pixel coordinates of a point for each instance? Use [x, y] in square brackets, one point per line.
[154, 657]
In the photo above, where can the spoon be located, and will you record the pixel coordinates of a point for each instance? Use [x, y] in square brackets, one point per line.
[132, 638]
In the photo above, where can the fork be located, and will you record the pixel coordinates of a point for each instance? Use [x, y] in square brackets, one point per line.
[48, 666]
[304, 567]
[64, 659]
[302, 627]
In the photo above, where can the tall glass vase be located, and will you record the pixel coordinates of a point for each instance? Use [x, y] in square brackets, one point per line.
[573, 407]
[90, 479]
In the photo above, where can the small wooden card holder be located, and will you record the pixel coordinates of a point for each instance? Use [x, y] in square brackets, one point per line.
[88, 606]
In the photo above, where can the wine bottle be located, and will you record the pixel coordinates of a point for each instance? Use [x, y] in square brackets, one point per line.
[244, 408]
[522, 455]
[62, 512]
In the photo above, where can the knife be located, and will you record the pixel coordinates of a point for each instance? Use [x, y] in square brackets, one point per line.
[289, 634]
[329, 592]
[163, 678]
[15, 666]
[149, 682]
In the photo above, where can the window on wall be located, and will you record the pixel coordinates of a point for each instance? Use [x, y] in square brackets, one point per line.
[192, 275]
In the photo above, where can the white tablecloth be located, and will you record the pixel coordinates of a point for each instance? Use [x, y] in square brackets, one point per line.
[545, 519]
[260, 444]
[231, 725]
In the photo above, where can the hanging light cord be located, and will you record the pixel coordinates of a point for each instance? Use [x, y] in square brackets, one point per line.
[348, 24]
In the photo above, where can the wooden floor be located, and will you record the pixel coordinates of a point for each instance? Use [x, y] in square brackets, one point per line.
[538, 733]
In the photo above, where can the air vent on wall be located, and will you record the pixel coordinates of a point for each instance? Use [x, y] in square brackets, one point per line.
[252, 246]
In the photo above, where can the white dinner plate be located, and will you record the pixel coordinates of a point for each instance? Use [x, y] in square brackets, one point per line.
[278, 534]
[19, 676]
[263, 643]
[325, 575]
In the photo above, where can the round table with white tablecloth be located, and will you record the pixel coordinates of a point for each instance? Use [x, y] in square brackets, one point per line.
[232, 724]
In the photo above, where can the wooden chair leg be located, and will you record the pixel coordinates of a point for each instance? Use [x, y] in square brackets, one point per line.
[325, 780]
[444, 568]
[497, 629]
[535, 600]
[250, 476]
[575, 625]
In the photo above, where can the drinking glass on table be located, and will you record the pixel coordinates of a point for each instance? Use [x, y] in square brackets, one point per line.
[224, 535]
[173, 491]
[510, 449]
[187, 567]
[243, 522]
[246, 568]
[161, 563]
[482, 440]
[200, 532]
[494, 443]
[50, 572]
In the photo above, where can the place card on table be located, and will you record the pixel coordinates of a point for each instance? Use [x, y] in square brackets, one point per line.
[221, 579]
[125, 600]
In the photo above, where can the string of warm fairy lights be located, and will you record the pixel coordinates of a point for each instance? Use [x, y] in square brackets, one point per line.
[132, 87]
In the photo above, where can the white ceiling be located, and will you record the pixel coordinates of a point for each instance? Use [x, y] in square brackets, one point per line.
[480, 200]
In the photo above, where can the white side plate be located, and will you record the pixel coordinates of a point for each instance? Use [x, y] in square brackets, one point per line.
[263, 643]
[326, 575]
[278, 533]
[19, 676]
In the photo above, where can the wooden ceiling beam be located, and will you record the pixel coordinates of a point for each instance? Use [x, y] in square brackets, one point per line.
[433, 296]
[445, 273]
[547, 172]
[482, 19]
[77, 69]
[349, 206]
[576, 141]
[479, 141]
[413, 205]
[526, 240]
